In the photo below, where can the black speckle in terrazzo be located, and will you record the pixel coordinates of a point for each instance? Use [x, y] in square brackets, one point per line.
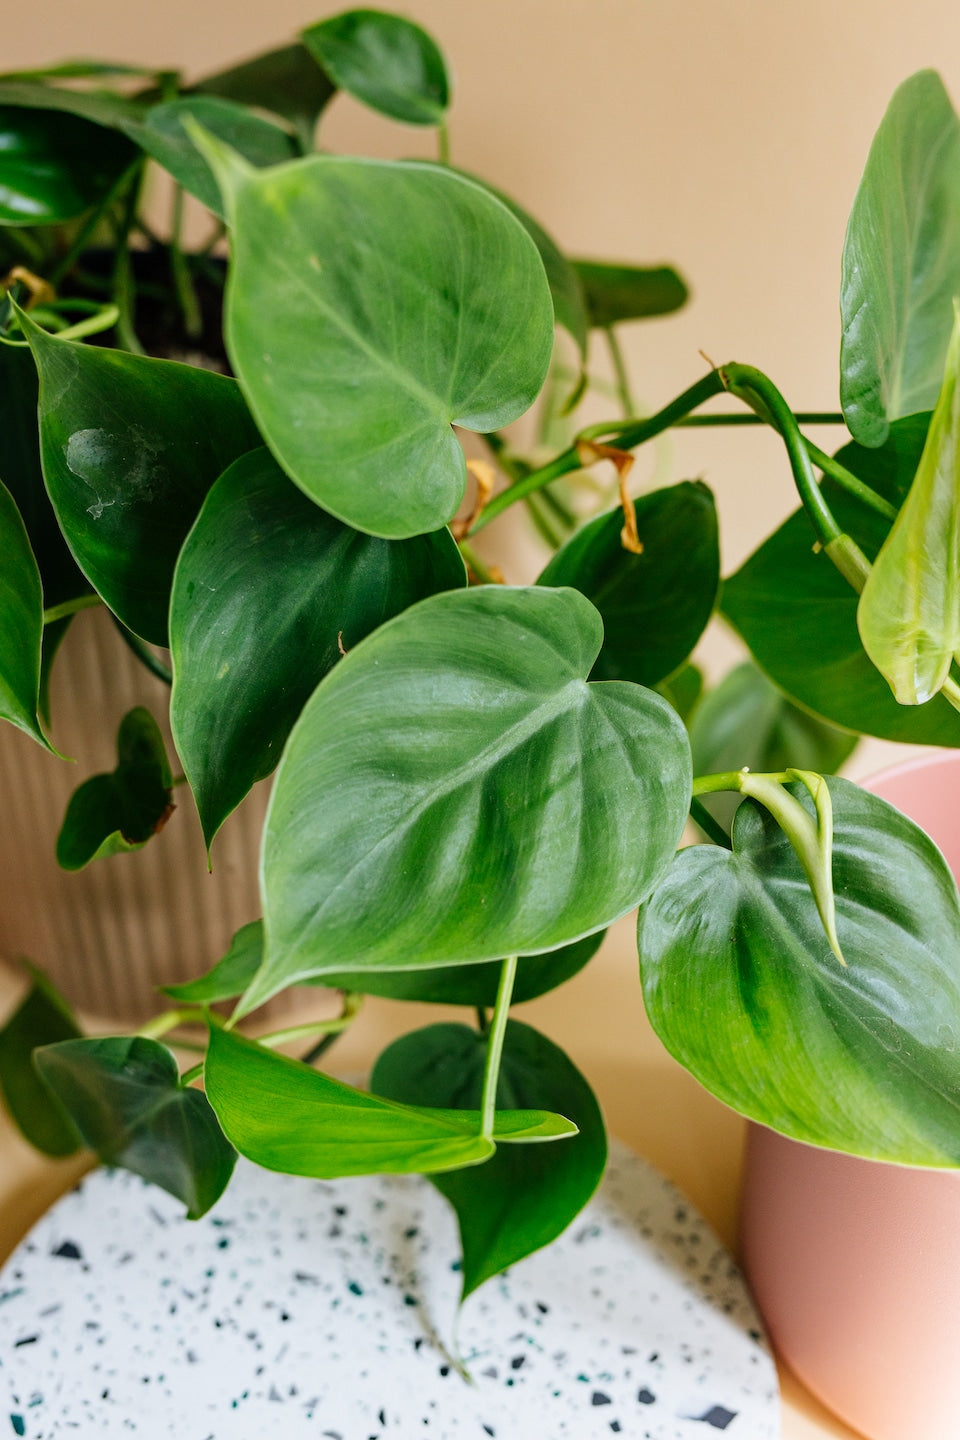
[293, 1317]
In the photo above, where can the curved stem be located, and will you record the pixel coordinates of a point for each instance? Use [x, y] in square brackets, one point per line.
[712, 828]
[171, 1020]
[498, 1029]
[849, 481]
[619, 370]
[802, 417]
[70, 607]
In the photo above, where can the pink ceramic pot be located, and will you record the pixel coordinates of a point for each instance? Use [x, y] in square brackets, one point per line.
[855, 1264]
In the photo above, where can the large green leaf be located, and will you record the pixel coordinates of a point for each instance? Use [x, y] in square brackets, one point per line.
[901, 262]
[455, 791]
[861, 1057]
[287, 82]
[909, 611]
[799, 616]
[446, 985]
[370, 306]
[125, 1099]
[267, 589]
[53, 166]
[111, 814]
[615, 293]
[163, 137]
[130, 447]
[42, 1018]
[656, 605]
[526, 1195]
[21, 623]
[384, 60]
[747, 722]
[286, 1116]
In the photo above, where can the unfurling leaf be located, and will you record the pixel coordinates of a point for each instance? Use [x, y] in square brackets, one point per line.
[909, 611]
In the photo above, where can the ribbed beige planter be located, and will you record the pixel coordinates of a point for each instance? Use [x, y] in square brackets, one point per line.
[108, 935]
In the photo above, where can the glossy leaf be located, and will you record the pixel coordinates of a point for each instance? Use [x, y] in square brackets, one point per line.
[98, 107]
[901, 262]
[286, 1116]
[21, 623]
[287, 82]
[356, 372]
[385, 61]
[460, 745]
[54, 166]
[615, 293]
[656, 605]
[799, 616]
[163, 137]
[861, 1057]
[42, 1018]
[446, 985]
[909, 612]
[526, 1195]
[747, 721]
[267, 589]
[125, 1099]
[111, 814]
[130, 447]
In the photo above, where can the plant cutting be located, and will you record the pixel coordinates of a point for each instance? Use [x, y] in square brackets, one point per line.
[472, 780]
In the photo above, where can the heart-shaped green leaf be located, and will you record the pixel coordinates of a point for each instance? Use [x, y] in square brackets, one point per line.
[460, 744]
[615, 293]
[125, 1099]
[163, 137]
[356, 371]
[53, 166]
[385, 61]
[21, 623]
[901, 262]
[799, 616]
[113, 813]
[526, 1195]
[268, 589]
[287, 82]
[909, 611]
[286, 1116]
[441, 985]
[656, 605]
[130, 447]
[861, 1057]
[42, 1018]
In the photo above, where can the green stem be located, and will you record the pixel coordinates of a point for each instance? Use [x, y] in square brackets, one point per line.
[545, 524]
[83, 235]
[70, 607]
[477, 565]
[710, 827]
[123, 286]
[182, 279]
[729, 780]
[619, 371]
[192, 1074]
[802, 417]
[443, 144]
[849, 481]
[498, 1029]
[351, 1008]
[143, 652]
[171, 1020]
[321, 1048]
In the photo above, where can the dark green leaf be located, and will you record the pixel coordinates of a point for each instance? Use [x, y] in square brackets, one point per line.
[257, 140]
[901, 262]
[683, 690]
[447, 985]
[125, 1098]
[356, 372]
[41, 1019]
[454, 791]
[267, 589]
[287, 82]
[385, 61]
[746, 721]
[526, 1195]
[113, 813]
[21, 623]
[54, 166]
[54, 633]
[286, 1116]
[21, 473]
[861, 1057]
[615, 293]
[130, 447]
[799, 616]
[656, 605]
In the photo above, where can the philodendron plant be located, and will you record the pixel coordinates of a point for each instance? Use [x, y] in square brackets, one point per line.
[472, 780]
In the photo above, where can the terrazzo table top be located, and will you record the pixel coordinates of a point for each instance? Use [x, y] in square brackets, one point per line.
[325, 1309]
